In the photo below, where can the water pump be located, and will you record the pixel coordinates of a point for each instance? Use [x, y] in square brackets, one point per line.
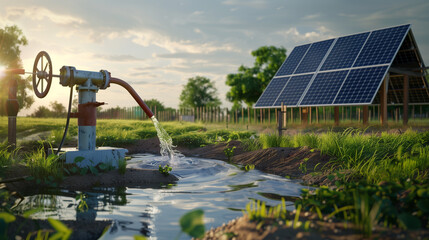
[87, 84]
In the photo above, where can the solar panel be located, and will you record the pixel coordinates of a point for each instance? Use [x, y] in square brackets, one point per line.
[273, 89]
[314, 56]
[293, 90]
[343, 71]
[292, 61]
[344, 53]
[361, 85]
[382, 45]
[327, 83]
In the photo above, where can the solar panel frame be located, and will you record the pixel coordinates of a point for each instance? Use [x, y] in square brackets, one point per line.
[275, 82]
[292, 91]
[304, 48]
[320, 69]
[377, 87]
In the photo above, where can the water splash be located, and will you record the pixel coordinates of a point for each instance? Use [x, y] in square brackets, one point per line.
[166, 144]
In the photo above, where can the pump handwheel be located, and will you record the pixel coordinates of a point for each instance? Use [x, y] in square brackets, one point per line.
[42, 74]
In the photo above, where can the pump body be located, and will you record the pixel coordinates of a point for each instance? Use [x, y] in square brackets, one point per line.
[87, 84]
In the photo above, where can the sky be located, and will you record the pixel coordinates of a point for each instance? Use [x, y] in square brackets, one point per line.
[156, 46]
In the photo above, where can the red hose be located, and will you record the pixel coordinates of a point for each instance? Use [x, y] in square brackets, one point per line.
[134, 94]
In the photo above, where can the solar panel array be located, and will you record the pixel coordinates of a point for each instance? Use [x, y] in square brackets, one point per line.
[342, 71]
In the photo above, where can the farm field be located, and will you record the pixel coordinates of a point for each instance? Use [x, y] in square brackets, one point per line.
[370, 182]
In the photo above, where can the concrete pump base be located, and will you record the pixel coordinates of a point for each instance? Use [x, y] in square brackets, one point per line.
[107, 155]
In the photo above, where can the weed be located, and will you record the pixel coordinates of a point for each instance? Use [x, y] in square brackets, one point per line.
[249, 167]
[6, 156]
[44, 168]
[82, 205]
[268, 141]
[165, 170]
[251, 144]
[229, 152]
[303, 166]
[122, 166]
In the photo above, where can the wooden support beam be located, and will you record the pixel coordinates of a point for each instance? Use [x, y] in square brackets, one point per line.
[383, 101]
[365, 115]
[304, 117]
[336, 115]
[405, 112]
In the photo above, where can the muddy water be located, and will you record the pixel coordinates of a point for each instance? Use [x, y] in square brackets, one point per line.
[220, 189]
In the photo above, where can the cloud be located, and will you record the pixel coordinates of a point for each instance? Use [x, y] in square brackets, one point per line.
[40, 13]
[247, 3]
[311, 36]
[150, 37]
[119, 58]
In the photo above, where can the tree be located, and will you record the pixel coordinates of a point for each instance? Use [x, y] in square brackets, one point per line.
[199, 92]
[11, 38]
[248, 84]
[41, 112]
[58, 110]
[152, 103]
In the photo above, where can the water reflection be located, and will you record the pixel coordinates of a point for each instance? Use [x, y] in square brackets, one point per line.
[220, 189]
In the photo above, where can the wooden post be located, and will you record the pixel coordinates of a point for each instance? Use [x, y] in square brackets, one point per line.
[413, 113]
[336, 116]
[324, 115]
[248, 115]
[269, 116]
[365, 115]
[285, 115]
[254, 116]
[300, 114]
[280, 122]
[383, 101]
[260, 117]
[405, 107]
[275, 113]
[304, 117]
[342, 113]
[309, 110]
[317, 115]
[291, 115]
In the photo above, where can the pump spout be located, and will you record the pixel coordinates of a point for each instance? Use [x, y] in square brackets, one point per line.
[134, 94]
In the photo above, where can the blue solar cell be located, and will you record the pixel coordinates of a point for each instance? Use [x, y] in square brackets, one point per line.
[293, 90]
[345, 51]
[361, 85]
[324, 88]
[382, 46]
[289, 65]
[314, 56]
[271, 92]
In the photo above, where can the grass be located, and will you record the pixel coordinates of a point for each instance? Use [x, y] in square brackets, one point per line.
[43, 167]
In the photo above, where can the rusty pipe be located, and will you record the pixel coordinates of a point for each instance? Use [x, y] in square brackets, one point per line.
[134, 94]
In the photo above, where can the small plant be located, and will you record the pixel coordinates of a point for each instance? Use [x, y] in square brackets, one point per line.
[82, 205]
[6, 156]
[303, 166]
[122, 166]
[192, 223]
[229, 152]
[249, 167]
[44, 168]
[165, 170]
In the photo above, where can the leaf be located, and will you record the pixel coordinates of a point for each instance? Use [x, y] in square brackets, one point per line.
[93, 170]
[423, 205]
[103, 166]
[78, 159]
[74, 170]
[83, 171]
[7, 217]
[59, 226]
[137, 237]
[409, 221]
[31, 212]
[192, 223]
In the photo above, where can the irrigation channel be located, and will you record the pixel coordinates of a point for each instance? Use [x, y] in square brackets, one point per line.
[220, 189]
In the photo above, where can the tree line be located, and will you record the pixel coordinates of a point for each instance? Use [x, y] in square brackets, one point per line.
[246, 85]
